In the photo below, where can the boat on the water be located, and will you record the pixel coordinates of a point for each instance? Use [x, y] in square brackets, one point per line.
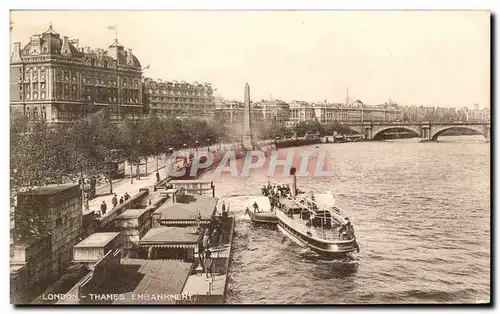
[314, 221]
[260, 211]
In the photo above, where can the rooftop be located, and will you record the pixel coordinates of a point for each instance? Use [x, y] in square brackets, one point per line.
[170, 235]
[99, 239]
[132, 213]
[188, 209]
[140, 280]
[48, 190]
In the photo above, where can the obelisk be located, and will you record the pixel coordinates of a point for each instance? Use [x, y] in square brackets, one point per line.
[247, 132]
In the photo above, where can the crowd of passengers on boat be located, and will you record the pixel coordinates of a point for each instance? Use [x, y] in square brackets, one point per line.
[315, 216]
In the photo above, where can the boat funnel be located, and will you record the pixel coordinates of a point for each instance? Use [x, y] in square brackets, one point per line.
[293, 189]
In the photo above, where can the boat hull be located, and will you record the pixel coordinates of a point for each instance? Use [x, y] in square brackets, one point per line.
[264, 218]
[329, 249]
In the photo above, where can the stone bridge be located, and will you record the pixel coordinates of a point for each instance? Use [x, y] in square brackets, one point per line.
[426, 130]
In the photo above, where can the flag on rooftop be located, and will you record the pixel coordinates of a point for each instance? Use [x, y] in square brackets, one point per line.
[112, 27]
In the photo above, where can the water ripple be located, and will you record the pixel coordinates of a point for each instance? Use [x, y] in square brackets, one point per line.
[421, 214]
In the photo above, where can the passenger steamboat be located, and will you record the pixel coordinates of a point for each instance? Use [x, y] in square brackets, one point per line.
[314, 221]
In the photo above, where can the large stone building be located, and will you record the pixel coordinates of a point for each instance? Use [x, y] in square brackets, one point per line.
[180, 99]
[275, 111]
[327, 113]
[232, 112]
[52, 78]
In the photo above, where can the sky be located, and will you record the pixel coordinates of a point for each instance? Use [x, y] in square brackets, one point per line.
[439, 58]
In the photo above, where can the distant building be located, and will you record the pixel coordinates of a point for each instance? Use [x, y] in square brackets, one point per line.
[53, 79]
[179, 99]
[275, 111]
[327, 113]
[53, 211]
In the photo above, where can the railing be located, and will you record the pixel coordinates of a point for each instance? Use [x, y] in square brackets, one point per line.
[308, 200]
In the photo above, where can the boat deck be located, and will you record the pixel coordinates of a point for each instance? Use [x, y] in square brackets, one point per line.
[299, 224]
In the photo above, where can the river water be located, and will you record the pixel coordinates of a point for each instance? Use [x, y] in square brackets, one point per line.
[421, 213]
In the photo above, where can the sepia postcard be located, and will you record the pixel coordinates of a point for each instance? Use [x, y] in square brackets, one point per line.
[250, 157]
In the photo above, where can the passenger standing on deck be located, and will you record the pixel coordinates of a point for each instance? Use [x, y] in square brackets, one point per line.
[256, 207]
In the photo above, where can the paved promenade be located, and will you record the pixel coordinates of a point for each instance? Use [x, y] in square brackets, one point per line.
[120, 187]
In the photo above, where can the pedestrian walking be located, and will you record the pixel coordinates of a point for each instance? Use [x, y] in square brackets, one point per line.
[208, 263]
[157, 176]
[126, 196]
[121, 200]
[149, 202]
[223, 206]
[104, 207]
[201, 253]
[114, 201]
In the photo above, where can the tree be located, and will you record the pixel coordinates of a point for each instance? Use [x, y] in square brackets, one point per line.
[129, 142]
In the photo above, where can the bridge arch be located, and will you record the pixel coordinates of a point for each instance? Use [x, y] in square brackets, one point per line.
[378, 131]
[437, 131]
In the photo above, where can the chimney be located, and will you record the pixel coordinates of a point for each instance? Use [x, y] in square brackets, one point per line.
[75, 43]
[16, 54]
[65, 46]
[130, 60]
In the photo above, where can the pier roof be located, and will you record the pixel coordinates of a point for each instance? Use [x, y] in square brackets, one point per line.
[132, 213]
[99, 239]
[168, 236]
[143, 281]
[188, 210]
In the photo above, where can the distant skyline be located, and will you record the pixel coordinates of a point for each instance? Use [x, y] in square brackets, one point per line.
[439, 58]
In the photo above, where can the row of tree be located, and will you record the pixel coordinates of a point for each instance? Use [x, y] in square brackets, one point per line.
[44, 153]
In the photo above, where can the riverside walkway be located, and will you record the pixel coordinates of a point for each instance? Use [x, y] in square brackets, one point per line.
[120, 187]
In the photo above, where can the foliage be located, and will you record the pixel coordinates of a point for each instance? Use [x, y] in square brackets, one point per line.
[42, 154]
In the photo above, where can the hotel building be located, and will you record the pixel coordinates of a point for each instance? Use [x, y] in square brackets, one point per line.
[54, 79]
[180, 99]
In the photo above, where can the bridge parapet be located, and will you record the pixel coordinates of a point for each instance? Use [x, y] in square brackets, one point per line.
[425, 130]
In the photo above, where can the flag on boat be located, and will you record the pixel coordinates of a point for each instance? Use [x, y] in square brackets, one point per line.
[112, 27]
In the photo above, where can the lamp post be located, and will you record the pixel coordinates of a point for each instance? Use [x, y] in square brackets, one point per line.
[196, 146]
[170, 152]
[220, 143]
[138, 171]
[108, 161]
